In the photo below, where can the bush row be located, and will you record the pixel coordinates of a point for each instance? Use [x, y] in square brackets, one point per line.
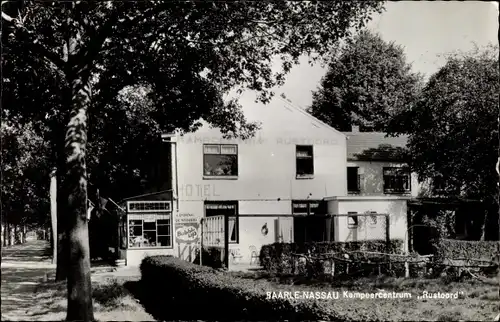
[277, 258]
[193, 292]
[465, 249]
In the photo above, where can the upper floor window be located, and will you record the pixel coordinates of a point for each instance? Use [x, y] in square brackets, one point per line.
[397, 180]
[304, 161]
[353, 182]
[220, 160]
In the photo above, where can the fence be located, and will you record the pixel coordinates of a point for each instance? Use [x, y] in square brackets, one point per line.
[214, 236]
[353, 262]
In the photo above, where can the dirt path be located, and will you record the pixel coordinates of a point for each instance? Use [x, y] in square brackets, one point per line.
[23, 268]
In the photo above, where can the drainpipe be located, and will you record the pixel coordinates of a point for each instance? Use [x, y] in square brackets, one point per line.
[170, 139]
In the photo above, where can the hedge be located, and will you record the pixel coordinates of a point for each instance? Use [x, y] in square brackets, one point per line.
[465, 249]
[180, 290]
[277, 258]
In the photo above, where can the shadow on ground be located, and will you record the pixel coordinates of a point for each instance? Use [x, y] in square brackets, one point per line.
[22, 295]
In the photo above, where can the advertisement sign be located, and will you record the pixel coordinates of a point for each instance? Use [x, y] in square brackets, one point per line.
[186, 228]
[187, 233]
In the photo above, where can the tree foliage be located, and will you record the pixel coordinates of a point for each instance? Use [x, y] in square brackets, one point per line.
[453, 130]
[367, 84]
[24, 168]
[80, 55]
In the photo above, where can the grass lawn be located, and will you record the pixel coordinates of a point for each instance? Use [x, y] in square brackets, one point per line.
[477, 301]
[112, 301]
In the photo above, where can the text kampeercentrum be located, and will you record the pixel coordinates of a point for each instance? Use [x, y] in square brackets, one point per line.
[337, 295]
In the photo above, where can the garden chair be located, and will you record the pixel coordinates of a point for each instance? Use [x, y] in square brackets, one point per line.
[254, 255]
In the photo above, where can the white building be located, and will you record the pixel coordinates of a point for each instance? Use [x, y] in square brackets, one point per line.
[280, 185]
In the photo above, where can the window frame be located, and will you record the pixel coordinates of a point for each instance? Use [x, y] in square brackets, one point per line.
[358, 180]
[140, 215]
[220, 176]
[392, 190]
[236, 216]
[297, 158]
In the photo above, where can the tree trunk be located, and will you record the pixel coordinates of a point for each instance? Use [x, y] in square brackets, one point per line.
[5, 232]
[79, 278]
[53, 214]
[11, 235]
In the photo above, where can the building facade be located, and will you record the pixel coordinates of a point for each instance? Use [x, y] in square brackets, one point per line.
[288, 183]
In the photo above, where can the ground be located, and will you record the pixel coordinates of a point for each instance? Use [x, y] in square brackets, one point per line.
[29, 292]
[476, 300]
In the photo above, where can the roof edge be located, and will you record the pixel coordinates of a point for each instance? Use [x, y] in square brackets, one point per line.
[290, 104]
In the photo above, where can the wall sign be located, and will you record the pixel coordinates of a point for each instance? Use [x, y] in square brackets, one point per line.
[187, 233]
[186, 228]
[301, 207]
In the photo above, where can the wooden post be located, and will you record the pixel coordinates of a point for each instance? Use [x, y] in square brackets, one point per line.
[226, 242]
[201, 241]
[53, 213]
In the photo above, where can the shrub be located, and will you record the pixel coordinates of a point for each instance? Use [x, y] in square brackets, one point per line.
[465, 249]
[219, 296]
[277, 258]
[450, 249]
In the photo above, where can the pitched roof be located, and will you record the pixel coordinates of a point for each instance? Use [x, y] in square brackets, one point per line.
[375, 146]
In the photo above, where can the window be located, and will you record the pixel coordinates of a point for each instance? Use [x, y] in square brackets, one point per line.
[304, 161]
[353, 182]
[396, 180]
[150, 230]
[352, 220]
[229, 209]
[220, 160]
[146, 206]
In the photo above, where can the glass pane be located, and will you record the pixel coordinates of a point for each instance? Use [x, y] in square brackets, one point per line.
[229, 149]
[211, 149]
[150, 225]
[304, 151]
[305, 166]
[233, 229]
[221, 165]
[135, 230]
[163, 229]
[135, 222]
[164, 241]
[150, 238]
[163, 221]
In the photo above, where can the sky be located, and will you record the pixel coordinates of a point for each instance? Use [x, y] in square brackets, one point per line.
[426, 30]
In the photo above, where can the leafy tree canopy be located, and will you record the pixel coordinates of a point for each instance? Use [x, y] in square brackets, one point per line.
[24, 169]
[453, 127]
[368, 83]
[155, 67]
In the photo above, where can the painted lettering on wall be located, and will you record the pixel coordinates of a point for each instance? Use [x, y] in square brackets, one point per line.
[186, 218]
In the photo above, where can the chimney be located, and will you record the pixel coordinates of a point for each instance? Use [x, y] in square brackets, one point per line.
[355, 128]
